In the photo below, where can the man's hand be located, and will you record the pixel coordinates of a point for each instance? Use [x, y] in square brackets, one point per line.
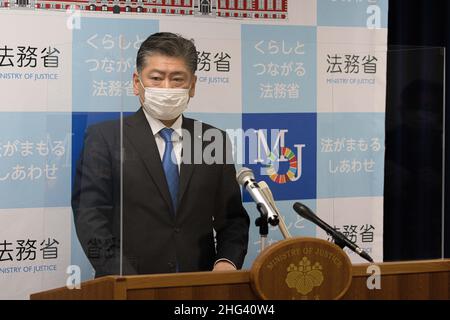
[223, 266]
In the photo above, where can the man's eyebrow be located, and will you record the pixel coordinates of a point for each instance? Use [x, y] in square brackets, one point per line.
[163, 72]
[179, 73]
[155, 70]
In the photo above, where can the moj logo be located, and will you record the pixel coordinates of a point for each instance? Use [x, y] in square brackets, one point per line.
[281, 149]
[271, 159]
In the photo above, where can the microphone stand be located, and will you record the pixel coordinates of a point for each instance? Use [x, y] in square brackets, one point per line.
[282, 225]
[263, 224]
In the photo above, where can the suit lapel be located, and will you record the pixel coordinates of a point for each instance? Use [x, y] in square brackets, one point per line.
[187, 162]
[138, 132]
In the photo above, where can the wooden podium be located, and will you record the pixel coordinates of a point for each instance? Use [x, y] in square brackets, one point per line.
[298, 268]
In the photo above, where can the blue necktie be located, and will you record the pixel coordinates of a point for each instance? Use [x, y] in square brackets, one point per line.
[170, 166]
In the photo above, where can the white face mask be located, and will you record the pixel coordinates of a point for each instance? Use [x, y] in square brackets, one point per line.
[165, 104]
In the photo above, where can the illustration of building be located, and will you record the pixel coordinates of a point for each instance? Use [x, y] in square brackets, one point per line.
[205, 7]
[182, 7]
[263, 9]
[17, 4]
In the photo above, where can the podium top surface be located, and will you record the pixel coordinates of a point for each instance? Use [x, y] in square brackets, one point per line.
[237, 283]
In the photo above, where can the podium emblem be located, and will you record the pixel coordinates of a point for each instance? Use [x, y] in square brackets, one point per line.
[304, 277]
[301, 269]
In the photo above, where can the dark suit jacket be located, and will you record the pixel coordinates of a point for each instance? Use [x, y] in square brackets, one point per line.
[155, 239]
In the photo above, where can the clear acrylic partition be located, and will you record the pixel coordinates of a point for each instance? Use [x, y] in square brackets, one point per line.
[415, 168]
[382, 152]
[378, 150]
[103, 97]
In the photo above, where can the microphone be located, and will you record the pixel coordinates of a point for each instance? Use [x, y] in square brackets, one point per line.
[246, 179]
[339, 238]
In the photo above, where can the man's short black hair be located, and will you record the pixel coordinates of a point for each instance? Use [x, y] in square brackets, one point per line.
[167, 44]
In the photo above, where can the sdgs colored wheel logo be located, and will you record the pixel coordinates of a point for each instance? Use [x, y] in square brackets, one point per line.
[282, 152]
[295, 169]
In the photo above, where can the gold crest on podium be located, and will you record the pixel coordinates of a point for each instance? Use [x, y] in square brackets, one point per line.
[304, 277]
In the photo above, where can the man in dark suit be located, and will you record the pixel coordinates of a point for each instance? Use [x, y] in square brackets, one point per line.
[172, 204]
